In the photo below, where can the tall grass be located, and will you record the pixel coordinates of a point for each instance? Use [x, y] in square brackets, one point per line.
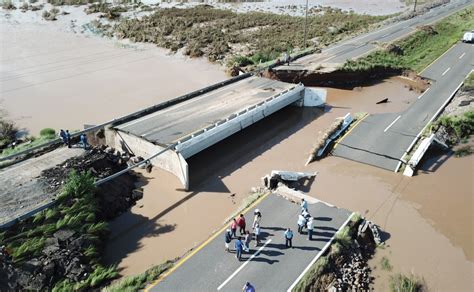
[403, 283]
[138, 282]
[469, 82]
[46, 135]
[418, 50]
[77, 211]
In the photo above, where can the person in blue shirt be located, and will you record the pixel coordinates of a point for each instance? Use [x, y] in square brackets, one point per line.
[68, 139]
[62, 134]
[84, 141]
[288, 237]
[248, 288]
[238, 249]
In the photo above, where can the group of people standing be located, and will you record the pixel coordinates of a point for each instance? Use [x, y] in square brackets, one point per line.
[66, 137]
[305, 220]
[242, 242]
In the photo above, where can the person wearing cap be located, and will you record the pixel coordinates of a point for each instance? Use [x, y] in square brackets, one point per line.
[257, 218]
[248, 287]
[227, 239]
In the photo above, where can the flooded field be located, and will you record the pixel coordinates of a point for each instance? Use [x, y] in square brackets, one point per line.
[51, 78]
[168, 221]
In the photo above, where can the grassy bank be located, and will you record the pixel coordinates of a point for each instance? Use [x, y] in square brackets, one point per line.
[469, 82]
[459, 128]
[418, 50]
[319, 271]
[238, 38]
[76, 212]
[46, 135]
[139, 282]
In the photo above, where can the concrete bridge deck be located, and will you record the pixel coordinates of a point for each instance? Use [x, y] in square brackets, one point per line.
[170, 125]
[181, 130]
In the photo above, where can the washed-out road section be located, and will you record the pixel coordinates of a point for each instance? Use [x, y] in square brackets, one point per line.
[21, 190]
[270, 266]
[382, 139]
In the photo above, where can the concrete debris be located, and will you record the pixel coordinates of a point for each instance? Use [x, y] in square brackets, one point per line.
[294, 195]
[368, 228]
[288, 178]
[385, 100]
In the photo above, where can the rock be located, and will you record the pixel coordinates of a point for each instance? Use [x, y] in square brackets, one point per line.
[50, 249]
[32, 266]
[137, 194]
[63, 235]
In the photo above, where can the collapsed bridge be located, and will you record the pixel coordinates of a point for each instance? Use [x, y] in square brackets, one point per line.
[184, 129]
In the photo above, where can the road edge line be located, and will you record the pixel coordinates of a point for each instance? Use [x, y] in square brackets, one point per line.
[320, 253]
[438, 58]
[350, 130]
[206, 242]
[451, 96]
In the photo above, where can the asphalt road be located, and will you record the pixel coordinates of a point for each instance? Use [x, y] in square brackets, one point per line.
[361, 45]
[382, 139]
[273, 267]
[21, 190]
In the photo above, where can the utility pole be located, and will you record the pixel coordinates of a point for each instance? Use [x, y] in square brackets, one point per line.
[414, 7]
[305, 24]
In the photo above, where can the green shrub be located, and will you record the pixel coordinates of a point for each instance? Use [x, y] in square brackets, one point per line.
[47, 132]
[385, 263]
[402, 283]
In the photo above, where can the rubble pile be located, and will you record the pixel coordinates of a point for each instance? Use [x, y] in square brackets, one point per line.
[118, 195]
[61, 258]
[71, 253]
[354, 274]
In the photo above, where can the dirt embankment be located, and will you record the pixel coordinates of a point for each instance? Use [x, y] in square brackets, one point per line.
[347, 79]
[62, 246]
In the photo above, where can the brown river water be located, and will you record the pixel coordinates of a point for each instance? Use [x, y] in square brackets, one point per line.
[50, 78]
[427, 218]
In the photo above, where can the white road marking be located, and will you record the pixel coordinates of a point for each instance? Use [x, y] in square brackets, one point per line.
[385, 35]
[460, 57]
[243, 265]
[392, 124]
[320, 253]
[419, 97]
[444, 73]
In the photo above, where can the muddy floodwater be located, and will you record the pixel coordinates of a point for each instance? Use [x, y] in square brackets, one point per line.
[427, 218]
[51, 78]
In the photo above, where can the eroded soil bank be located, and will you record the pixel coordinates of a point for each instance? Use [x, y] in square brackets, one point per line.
[167, 221]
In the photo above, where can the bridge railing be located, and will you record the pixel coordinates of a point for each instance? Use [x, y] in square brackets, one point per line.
[131, 116]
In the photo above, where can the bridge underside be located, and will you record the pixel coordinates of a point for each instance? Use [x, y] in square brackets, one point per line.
[196, 124]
